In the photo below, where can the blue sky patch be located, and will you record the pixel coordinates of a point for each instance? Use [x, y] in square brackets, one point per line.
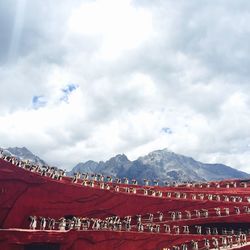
[38, 101]
[67, 91]
[167, 130]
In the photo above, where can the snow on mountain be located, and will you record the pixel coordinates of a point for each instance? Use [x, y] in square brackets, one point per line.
[163, 165]
[24, 154]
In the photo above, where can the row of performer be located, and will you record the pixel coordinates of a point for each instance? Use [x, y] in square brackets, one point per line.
[44, 170]
[193, 214]
[159, 217]
[56, 173]
[158, 193]
[224, 242]
[147, 182]
[115, 223]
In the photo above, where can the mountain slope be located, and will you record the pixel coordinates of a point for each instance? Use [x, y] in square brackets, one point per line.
[163, 165]
[24, 154]
[116, 166]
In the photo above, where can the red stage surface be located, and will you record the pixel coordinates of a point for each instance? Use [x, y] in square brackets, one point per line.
[24, 193]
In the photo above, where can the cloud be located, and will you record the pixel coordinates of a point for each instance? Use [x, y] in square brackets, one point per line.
[118, 25]
[97, 78]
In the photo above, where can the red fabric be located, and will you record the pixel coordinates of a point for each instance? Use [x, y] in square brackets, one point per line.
[23, 193]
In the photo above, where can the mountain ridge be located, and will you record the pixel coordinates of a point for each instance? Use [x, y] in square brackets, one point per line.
[24, 154]
[163, 165]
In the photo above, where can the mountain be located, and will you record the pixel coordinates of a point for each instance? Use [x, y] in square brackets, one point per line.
[116, 166]
[163, 165]
[24, 154]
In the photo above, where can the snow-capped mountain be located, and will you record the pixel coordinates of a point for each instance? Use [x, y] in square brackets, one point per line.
[163, 165]
[24, 154]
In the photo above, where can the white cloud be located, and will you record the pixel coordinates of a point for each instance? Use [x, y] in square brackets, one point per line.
[137, 67]
[119, 25]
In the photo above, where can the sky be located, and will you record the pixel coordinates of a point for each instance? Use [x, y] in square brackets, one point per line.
[89, 79]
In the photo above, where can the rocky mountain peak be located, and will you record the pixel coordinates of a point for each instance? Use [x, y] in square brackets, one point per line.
[24, 154]
[117, 160]
[163, 156]
[164, 165]
[120, 158]
[19, 151]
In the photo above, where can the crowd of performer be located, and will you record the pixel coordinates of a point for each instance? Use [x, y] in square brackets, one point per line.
[44, 170]
[160, 222]
[137, 223]
[223, 242]
[225, 238]
[94, 180]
